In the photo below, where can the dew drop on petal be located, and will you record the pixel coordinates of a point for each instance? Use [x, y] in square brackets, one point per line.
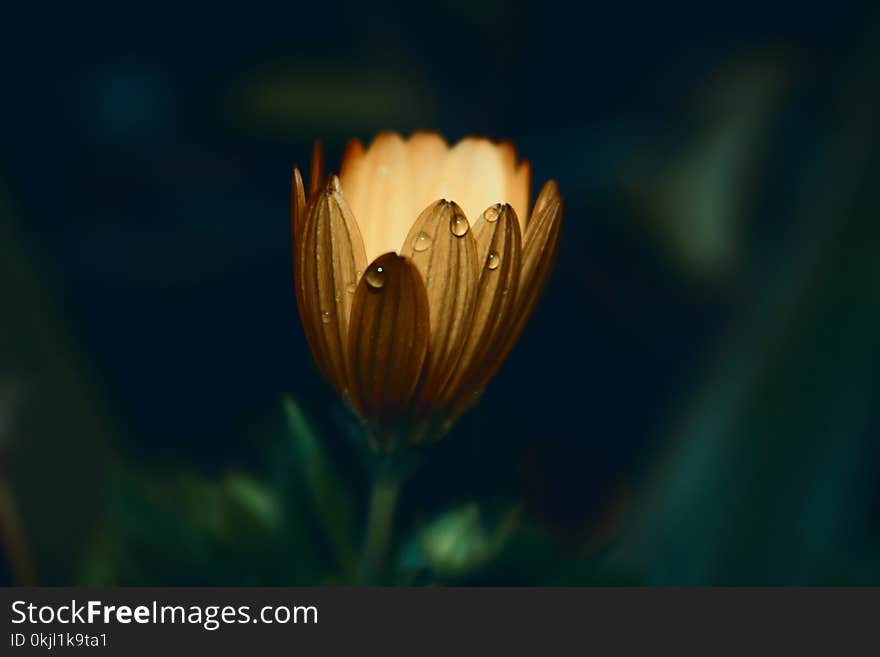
[325, 316]
[492, 260]
[422, 242]
[376, 278]
[459, 226]
[491, 214]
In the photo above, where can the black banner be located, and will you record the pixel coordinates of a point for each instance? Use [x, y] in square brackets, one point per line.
[224, 621]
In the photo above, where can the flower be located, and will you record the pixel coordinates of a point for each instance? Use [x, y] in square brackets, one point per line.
[416, 269]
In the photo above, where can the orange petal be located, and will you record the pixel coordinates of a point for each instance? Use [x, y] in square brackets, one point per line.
[316, 176]
[388, 337]
[395, 179]
[478, 173]
[331, 260]
[549, 194]
[442, 247]
[521, 192]
[298, 211]
[497, 234]
[538, 250]
[354, 153]
[378, 191]
[426, 153]
[297, 206]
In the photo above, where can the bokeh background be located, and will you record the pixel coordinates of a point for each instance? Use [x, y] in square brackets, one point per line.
[695, 400]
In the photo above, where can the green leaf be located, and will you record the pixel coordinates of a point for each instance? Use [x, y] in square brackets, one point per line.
[332, 499]
[460, 541]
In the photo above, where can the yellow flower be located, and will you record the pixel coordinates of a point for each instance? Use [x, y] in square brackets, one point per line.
[410, 304]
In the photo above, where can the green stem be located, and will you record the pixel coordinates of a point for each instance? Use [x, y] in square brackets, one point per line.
[380, 518]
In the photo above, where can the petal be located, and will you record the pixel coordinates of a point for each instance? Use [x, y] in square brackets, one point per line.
[354, 155]
[331, 261]
[538, 250]
[395, 179]
[549, 194]
[388, 337]
[297, 206]
[443, 249]
[298, 213]
[316, 176]
[518, 182]
[520, 193]
[476, 174]
[426, 152]
[378, 191]
[497, 234]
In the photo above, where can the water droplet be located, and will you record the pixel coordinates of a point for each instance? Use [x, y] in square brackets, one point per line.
[325, 316]
[458, 225]
[422, 242]
[492, 260]
[376, 278]
[491, 214]
[351, 287]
